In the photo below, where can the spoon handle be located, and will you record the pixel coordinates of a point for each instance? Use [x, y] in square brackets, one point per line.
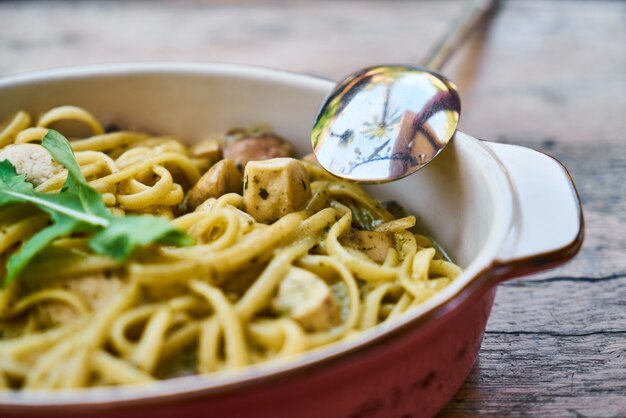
[476, 13]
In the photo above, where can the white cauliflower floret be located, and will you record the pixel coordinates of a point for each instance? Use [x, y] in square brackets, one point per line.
[32, 160]
[307, 299]
[274, 188]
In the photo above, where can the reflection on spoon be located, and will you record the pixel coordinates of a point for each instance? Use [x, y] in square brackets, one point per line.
[385, 122]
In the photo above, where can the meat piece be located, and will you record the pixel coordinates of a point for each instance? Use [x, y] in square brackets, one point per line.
[274, 188]
[95, 290]
[33, 160]
[257, 148]
[307, 299]
[223, 177]
[373, 244]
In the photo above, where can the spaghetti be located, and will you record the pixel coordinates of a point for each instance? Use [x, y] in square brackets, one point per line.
[252, 289]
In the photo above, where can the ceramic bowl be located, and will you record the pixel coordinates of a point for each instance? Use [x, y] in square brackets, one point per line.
[500, 211]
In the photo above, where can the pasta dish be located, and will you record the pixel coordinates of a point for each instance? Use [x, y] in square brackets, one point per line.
[130, 257]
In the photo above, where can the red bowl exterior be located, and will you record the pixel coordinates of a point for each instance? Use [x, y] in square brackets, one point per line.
[413, 374]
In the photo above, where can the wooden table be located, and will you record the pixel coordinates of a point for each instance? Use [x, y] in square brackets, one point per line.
[550, 75]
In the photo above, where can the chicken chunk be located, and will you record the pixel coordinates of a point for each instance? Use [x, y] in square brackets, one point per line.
[308, 300]
[94, 290]
[274, 188]
[257, 148]
[222, 178]
[373, 244]
[33, 160]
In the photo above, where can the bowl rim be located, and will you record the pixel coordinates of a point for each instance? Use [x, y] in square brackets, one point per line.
[475, 278]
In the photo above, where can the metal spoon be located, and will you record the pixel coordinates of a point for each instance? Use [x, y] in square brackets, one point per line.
[385, 122]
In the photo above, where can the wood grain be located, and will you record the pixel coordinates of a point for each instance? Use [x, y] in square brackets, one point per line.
[535, 374]
[546, 74]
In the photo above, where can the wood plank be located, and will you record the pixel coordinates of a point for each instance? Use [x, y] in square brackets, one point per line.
[545, 376]
[547, 70]
[561, 306]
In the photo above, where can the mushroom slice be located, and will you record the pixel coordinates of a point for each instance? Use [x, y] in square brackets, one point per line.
[257, 148]
[373, 244]
[307, 299]
[223, 177]
[210, 149]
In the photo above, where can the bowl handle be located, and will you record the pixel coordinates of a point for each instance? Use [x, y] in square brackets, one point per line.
[549, 226]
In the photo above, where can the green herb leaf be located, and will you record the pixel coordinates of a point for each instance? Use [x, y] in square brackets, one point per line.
[61, 152]
[19, 260]
[15, 189]
[78, 208]
[12, 184]
[123, 235]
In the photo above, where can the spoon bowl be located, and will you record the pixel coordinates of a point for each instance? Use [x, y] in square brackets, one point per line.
[385, 122]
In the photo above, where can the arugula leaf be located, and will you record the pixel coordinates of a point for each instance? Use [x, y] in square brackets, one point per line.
[79, 208]
[123, 235]
[15, 191]
[64, 210]
[61, 152]
[19, 260]
[11, 183]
